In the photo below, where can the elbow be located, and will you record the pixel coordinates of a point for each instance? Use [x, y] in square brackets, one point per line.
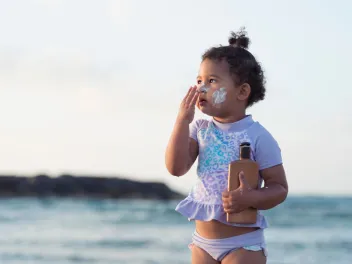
[176, 173]
[284, 194]
[176, 167]
[176, 170]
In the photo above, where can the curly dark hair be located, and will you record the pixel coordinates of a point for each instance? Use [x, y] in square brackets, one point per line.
[242, 64]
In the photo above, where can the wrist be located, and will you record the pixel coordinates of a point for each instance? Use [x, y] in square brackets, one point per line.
[182, 121]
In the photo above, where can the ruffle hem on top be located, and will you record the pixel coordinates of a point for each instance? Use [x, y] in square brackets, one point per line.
[207, 212]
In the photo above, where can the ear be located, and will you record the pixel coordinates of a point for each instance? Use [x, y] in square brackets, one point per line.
[244, 92]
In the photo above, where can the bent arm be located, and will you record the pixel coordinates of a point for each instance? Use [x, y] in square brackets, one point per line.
[274, 191]
[181, 151]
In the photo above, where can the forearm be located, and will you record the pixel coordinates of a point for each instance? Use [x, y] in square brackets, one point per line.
[177, 156]
[269, 196]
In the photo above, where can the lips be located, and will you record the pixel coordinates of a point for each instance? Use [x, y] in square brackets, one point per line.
[202, 101]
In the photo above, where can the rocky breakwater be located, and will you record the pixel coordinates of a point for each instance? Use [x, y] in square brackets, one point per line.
[83, 186]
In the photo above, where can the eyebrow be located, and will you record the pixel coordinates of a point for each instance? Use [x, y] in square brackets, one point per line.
[211, 75]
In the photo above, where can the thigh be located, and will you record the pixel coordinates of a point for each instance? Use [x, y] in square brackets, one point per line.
[200, 256]
[243, 256]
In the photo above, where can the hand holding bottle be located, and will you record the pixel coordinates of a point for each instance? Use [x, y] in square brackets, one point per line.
[240, 199]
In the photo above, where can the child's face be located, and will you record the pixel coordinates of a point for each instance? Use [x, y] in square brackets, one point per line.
[218, 95]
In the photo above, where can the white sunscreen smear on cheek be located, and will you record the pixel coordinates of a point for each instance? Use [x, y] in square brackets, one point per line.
[219, 96]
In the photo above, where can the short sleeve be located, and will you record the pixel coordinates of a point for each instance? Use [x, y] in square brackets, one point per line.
[194, 128]
[267, 151]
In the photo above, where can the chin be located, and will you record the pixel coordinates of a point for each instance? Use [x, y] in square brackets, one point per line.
[208, 111]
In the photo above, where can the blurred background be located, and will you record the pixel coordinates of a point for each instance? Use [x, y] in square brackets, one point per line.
[93, 88]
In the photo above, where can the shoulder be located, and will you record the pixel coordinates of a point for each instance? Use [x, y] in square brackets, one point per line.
[258, 132]
[200, 123]
[196, 126]
[267, 151]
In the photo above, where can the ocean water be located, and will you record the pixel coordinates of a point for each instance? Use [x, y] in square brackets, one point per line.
[307, 230]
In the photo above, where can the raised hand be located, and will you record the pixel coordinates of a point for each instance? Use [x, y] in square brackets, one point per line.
[187, 107]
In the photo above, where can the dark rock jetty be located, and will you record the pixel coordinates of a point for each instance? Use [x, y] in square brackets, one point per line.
[83, 186]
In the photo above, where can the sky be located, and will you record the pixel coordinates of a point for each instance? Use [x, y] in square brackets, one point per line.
[93, 87]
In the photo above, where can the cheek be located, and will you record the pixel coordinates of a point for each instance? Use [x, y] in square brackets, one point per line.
[219, 96]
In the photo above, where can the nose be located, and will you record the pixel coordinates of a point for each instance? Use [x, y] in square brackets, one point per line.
[203, 89]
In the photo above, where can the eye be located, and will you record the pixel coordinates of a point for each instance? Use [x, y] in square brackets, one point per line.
[199, 81]
[212, 80]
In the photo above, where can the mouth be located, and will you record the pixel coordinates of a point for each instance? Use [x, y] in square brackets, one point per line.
[202, 101]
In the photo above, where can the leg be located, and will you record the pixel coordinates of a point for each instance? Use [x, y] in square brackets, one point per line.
[200, 256]
[243, 256]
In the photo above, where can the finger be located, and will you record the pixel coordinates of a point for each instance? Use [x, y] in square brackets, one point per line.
[195, 98]
[191, 94]
[243, 181]
[228, 206]
[225, 194]
[231, 211]
[188, 92]
[226, 200]
[186, 99]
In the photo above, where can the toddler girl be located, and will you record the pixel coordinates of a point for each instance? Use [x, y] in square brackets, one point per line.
[229, 81]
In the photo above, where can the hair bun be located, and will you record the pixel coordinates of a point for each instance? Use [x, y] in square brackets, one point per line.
[239, 39]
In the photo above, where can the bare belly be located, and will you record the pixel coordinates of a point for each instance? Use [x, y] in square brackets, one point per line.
[215, 229]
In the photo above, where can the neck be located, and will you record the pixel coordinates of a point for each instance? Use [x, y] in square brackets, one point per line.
[231, 119]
